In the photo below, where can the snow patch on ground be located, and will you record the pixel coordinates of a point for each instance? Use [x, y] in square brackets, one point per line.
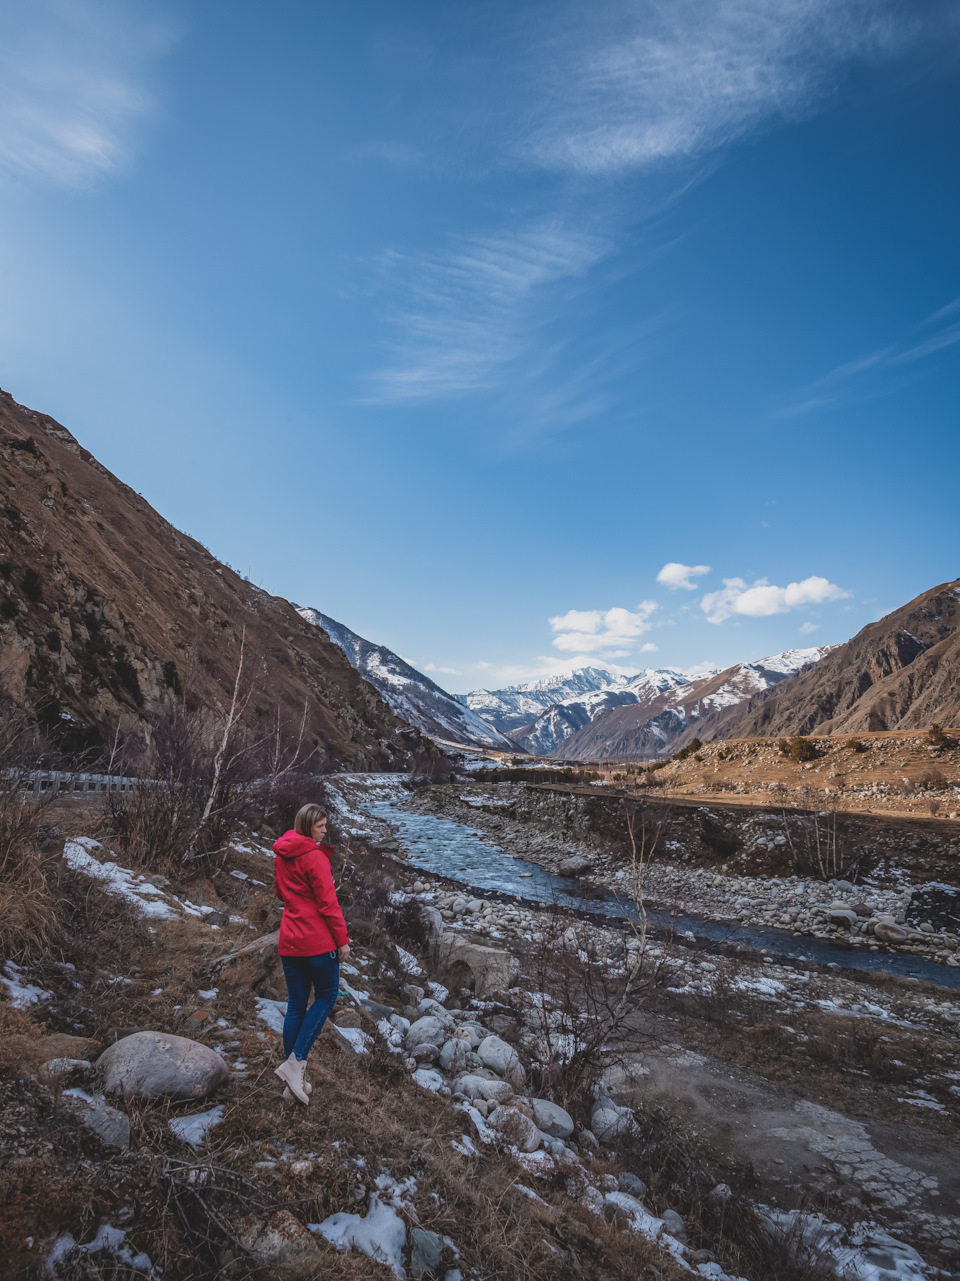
[109, 1240]
[381, 1234]
[20, 993]
[119, 881]
[194, 1129]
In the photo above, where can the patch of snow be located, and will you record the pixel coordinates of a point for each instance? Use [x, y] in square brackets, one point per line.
[194, 1129]
[359, 1039]
[272, 1013]
[408, 963]
[119, 881]
[21, 994]
[863, 1252]
[381, 1234]
[109, 1240]
[427, 1079]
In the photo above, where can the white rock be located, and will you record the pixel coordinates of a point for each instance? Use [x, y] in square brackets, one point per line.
[157, 1064]
[453, 1054]
[516, 1128]
[428, 1029]
[608, 1121]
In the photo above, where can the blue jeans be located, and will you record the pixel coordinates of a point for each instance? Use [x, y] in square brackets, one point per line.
[301, 1026]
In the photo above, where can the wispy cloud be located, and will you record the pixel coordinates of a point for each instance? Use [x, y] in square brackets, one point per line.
[627, 85]
[848, 379]
[472, 310]
[72, 85]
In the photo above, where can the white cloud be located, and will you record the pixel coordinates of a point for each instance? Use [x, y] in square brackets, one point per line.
[648, 647]
[472, 310]
[675, 575]
[613, 631]
[809, 627]
[763, 598]
[72, 86]
[626, 84]
[450, 671]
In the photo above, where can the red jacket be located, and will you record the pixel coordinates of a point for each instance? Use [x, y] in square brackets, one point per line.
[312, 922]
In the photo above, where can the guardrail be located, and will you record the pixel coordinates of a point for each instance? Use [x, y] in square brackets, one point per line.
[62, 781]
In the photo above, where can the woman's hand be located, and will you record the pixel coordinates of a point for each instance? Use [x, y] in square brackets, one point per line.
[343, 952]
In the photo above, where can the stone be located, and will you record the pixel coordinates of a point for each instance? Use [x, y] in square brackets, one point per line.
[425, 1053]
[278, 1239]
[608, 1121]
[429, 1028]
[430, 1006]
[502, 1059]
[589, 1140]
[425, 1254]
[473, 1032]
[575, 865]
[489, 967]
[160, 1065]
[61, 1045]
[673, 1224]
[453, 1054]
[110, 1125]
[65, 1071]
[434, 919]
[516, 1128]
[412, 994]
[552, 1119]
[887, 932]
[630, 1184]
[842, 916]
[478, 1087]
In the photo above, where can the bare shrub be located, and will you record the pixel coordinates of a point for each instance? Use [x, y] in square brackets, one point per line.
[816, 846]
[28, 919]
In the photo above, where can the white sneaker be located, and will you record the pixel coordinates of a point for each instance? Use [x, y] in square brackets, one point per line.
[293, 1073]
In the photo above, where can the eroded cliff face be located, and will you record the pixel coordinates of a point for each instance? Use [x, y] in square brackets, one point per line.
[108, 614]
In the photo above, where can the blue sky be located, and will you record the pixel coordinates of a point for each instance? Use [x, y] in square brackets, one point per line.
[511, 335]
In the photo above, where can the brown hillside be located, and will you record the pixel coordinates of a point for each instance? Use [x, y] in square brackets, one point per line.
[107, 612]
[902, 672]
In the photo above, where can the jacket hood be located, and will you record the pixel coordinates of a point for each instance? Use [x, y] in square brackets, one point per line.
[292, 845]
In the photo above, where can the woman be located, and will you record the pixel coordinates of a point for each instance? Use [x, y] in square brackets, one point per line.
[313, 940]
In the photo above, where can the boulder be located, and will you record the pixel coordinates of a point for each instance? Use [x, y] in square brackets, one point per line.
[608, 1121]
[453, 1054]
[425, 1053]
[159, 1065]
[673, 1224]
[490, 967]
[478, 1087]
[278, 1239]
[434, 919]
[630, 1184]
[425, 1253]
[502, 1059]
[576, 865]
[428, 1029]
[888, 932]
[65, 1071]
[516, 1128]
[552, 1119]
[842, 916]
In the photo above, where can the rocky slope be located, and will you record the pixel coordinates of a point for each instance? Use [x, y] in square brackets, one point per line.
[663, 721]
[902, 672]
[108, 614]
[414, 697]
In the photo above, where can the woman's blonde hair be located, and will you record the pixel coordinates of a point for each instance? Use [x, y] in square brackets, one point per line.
[307, 815]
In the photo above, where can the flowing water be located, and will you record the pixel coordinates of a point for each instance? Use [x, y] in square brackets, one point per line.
[458, 852]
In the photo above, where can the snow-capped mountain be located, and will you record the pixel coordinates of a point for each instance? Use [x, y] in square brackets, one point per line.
[544, 736]
[412, 696]
[517, 706]
[703, 708]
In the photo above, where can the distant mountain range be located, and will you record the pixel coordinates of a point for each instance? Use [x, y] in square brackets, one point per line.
[411, 695]
[902, 672]
[660, 721]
